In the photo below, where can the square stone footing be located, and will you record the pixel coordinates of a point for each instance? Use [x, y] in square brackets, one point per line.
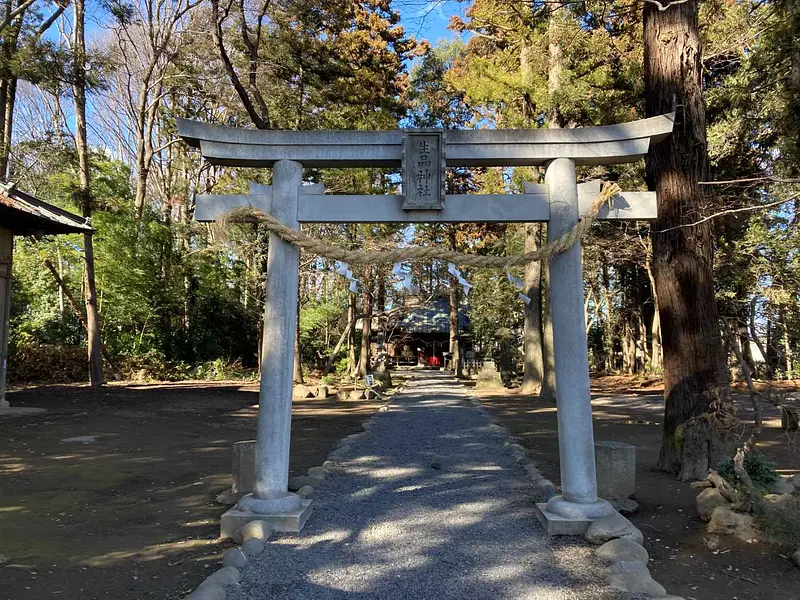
[557, 525]
[291, 522]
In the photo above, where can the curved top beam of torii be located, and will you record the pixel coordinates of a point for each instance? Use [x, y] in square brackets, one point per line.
[603, 145]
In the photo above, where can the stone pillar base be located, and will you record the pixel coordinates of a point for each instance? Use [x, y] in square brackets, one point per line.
[560, 517]
[288, 522]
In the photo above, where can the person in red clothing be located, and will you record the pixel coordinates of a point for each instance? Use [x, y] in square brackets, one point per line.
[434, 362]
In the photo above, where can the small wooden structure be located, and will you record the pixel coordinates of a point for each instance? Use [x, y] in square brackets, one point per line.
[22, 214]
[420, 329]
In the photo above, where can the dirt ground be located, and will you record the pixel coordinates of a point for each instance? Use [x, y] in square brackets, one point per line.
[132, 513]
[685, 559]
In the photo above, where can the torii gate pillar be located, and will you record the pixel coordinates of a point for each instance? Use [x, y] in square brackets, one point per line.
[572, 511]
[271, 501]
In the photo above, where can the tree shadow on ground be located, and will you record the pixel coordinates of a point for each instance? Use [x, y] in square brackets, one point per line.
[131, 514]
[411, 520]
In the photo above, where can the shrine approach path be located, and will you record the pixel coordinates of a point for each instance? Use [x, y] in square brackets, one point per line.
[427, 504]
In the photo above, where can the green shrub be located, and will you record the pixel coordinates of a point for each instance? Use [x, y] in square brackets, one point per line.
[220, 369]
[152, 366]
[761, 471]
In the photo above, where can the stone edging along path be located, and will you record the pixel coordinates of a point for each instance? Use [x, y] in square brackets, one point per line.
[484, 544]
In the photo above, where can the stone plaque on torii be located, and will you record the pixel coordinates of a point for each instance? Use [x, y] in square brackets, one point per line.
[423, 155]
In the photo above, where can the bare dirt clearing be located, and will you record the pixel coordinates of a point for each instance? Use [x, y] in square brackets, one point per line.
[674, 535]
[110, 494]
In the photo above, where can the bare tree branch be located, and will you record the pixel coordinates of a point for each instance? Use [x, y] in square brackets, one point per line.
[7, 19]
[729, 212]
[749, 180]
[664, 7]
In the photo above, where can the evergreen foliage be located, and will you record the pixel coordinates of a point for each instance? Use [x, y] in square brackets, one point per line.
[176, 301]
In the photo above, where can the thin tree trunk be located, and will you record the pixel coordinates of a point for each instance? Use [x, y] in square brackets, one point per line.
[642, 343]
[787, 348]
[754, 335]
[587, 319]
[533, 361]
[298, 352]
[744, 342]
[96, 378]
[608, 325]
[65, 293]
[695, 376]
[60, 272]
[351, 334]
[548, 391]
[656, 359]
[366, 323]
[5, 156]
[755, 396]
[380, 296]
[455, 300]
[339, 344]
[628, 349]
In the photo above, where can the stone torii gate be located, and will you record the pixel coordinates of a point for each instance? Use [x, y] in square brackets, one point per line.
[423, 156]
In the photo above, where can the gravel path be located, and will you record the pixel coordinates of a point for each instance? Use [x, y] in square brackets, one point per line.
[429, 506]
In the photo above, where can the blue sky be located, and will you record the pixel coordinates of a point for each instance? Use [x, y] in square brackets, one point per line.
[429, 18]
[422, 18]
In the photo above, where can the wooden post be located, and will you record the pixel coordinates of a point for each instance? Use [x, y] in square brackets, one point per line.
[6, 251]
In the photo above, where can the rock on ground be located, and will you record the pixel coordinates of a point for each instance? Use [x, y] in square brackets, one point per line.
[234, 558]
[639, 582]
[391, 527]
[725, 521]
[224, 576]
[622, 549]
[253, 546]
[208, 592]
[259, 530]
[707, 501]
[301, 391]
[611, 527]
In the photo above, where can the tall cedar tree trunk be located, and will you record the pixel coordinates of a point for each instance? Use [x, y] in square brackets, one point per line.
[555, 120]
[366, 323]
[792, 31]
[8, 121]
[533, 365]
[455, 300]
[8, 84]
[85, 197]
[532, 359]
[694, 361]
